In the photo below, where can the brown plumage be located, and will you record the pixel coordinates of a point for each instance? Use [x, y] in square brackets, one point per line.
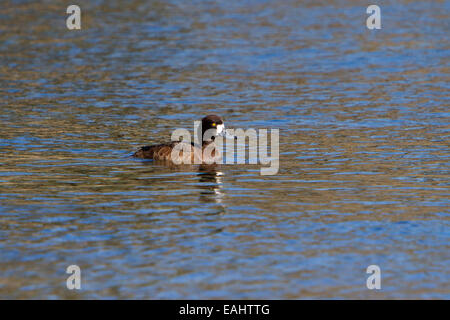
[196, 155]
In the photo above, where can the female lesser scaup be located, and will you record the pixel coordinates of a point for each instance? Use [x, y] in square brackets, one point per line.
[164, 151]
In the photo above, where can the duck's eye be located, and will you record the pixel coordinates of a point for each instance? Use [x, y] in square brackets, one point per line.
[213, 124]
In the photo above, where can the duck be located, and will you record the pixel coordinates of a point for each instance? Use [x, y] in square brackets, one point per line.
[163, 151]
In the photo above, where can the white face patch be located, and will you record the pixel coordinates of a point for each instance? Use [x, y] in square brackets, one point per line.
[220, 128]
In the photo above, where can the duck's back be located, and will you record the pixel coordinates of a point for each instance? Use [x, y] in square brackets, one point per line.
[164, 152]
[158, 152]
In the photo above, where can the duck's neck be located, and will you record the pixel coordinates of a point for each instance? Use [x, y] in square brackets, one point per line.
[205, 143]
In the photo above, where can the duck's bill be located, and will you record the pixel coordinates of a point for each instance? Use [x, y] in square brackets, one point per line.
[224, 133]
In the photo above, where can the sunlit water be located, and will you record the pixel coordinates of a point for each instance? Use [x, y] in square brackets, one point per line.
[364, 145]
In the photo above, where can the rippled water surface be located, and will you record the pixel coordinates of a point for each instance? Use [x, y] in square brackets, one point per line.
[364, 149]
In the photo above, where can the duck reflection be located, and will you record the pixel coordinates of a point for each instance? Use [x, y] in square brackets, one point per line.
[210, 179]
[211, 184]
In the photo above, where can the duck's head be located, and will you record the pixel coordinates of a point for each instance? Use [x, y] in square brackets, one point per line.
[216, 125]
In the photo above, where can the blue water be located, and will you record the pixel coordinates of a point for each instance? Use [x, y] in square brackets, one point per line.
[364, 150]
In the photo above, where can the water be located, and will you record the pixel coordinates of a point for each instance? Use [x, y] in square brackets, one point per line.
[364, 145]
